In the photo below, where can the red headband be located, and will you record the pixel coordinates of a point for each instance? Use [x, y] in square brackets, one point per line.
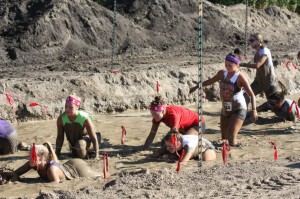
[158, 107]
[73, 100]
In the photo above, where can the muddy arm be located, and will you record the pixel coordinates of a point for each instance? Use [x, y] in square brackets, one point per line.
[151, 136]
[20, 171]
[60, 136]
[90, 129]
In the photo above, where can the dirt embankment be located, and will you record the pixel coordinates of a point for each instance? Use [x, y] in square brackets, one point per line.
[50, 49]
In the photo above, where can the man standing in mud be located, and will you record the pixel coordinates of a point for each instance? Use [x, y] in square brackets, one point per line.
[73, 122]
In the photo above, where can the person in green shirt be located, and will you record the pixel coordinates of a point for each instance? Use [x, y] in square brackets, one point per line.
[79, 130]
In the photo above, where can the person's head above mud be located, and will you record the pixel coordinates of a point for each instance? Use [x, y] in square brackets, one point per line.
[72, 105]
[79, 130]
[286, 109]
[43, 159]
[176, 142]
[8, 138]
[256, 41]
[175, 117]
[298, 56]
[158, 108]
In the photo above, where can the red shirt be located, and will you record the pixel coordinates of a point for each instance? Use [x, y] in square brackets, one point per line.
[179, 118]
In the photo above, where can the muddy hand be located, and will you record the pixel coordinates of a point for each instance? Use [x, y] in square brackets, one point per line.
[254, 116]
[193, 89]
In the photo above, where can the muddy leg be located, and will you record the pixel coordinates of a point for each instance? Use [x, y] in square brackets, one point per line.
[224, 127]
[80, 148]
[235, 125]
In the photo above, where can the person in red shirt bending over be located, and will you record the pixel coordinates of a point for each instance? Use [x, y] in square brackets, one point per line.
[176, 118]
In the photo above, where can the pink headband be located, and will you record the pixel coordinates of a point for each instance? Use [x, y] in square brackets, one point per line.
[158, 107]
[73, 100]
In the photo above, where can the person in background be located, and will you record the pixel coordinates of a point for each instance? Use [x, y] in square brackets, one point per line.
[8, 138]
[45, 162]
[265, 79]
[73, 123]
[283, 108]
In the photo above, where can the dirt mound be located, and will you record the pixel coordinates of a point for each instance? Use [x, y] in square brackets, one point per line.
[42, 31]
[52, 48]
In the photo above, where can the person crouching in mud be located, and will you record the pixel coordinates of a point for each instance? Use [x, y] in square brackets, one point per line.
[176, 142]
[48, 167]
[8, 138]
[73, 122]
[283, 108]
[175, 117]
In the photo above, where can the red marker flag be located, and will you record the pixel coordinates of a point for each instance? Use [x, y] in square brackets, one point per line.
[290, 62]
[275, 150]
[174, 143]
[180, 160]
[297, 109]
[225, 148]
[123, 135]
[203, 96]
[32, 104]
[10, 100]
[105, 165]
[33, 155]
[157, 86]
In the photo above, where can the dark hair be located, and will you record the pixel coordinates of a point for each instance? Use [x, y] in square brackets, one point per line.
[171, 133]
[278, 96]
[237, 51]
[298, 56]
[157, 101]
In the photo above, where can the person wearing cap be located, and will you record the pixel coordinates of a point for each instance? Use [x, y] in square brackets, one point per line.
[265, 79]
[73, 123]
[8, 138]
[234, 107]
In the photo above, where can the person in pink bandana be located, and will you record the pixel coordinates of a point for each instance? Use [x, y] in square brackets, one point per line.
[175, 117]
[73, 123]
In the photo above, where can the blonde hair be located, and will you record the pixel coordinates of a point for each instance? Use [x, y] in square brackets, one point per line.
[46, 150]
[259, 38]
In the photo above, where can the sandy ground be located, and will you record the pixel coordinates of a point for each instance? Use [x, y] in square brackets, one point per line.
[250, 171]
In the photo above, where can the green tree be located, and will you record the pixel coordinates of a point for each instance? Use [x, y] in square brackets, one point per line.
[292, 6]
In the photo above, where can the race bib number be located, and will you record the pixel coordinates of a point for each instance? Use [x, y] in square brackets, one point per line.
[227, 106]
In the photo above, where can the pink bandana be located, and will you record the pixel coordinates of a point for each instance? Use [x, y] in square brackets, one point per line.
[159, 108]
[73, 100]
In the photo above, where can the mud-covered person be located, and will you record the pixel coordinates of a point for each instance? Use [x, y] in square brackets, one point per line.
[176, 142]
[46, 163]
[175, 117]
[79, 130]
[265, 79]
[286, 109]
[8, 138]
[234, 108]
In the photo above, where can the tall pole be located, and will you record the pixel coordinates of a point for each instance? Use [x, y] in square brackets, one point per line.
[200, 72]
[246, 29]
[113, 42]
